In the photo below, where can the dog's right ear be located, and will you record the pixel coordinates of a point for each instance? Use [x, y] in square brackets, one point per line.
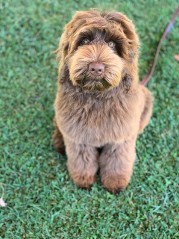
[61, 53]
[62, 49]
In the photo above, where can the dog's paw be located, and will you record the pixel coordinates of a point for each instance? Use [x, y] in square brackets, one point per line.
[84, 181]
[115, 183]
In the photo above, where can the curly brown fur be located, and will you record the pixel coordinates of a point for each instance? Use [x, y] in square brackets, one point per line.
[100, 102]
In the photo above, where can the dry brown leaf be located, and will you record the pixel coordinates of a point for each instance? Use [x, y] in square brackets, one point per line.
[176, 56]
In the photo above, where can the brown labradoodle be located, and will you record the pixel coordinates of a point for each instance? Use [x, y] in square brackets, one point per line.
[100, 106]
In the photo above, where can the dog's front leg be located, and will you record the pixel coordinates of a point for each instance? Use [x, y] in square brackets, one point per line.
[82, 163]
[116, 165]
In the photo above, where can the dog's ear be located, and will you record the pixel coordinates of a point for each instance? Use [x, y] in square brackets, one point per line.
[63, 73]
[66, 41]
[62, 49]
[79, 19]
[125, 23]
[128, 29]
[62, 52]
[126, 82]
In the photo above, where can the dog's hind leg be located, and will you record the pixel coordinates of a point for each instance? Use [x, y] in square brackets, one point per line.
[147, 111]
[58, 141]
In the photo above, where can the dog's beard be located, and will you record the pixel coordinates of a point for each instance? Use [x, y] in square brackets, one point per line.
[93, 84]
[79, 62]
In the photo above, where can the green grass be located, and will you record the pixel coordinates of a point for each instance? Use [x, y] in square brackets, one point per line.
[42, 202]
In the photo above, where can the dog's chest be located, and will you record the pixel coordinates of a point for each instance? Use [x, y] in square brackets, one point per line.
[97, 122]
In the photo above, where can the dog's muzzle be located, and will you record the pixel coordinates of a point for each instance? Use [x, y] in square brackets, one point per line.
[95, 67]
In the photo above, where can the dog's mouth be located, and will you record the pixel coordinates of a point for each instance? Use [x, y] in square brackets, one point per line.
[93, 84]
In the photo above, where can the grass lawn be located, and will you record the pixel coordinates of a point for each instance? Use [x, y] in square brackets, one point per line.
[42, 202]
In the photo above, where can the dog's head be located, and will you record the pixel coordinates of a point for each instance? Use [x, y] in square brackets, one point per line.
[96, 49]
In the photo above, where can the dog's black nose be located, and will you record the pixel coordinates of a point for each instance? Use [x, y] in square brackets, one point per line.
[96, 68]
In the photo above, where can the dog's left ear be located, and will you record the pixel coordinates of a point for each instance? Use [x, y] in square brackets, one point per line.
[126, 82]
[128, 29]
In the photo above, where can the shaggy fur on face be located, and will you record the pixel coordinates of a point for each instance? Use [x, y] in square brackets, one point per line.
[99, 101]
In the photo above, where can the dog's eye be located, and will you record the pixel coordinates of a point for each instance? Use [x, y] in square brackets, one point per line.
[85, 41]
[111, 44]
